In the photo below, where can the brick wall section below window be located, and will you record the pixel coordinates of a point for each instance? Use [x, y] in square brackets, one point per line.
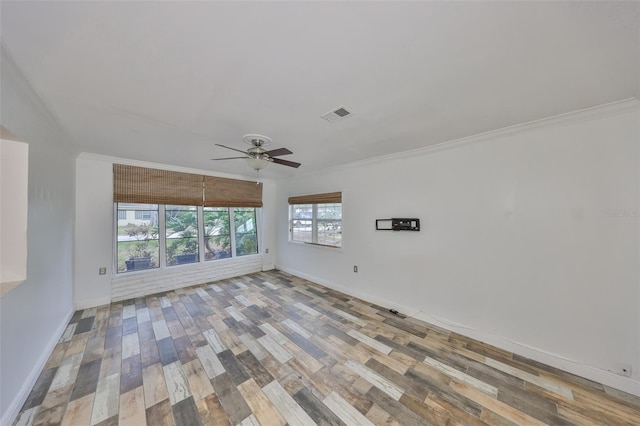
[127, 286]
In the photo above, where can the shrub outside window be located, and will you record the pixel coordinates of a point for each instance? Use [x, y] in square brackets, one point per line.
[181, 230]
[246, 232]
[217, 233]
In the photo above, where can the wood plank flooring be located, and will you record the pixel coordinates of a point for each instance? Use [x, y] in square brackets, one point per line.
[273, 349]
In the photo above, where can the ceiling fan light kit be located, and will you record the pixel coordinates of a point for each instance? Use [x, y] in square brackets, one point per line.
[257, 163]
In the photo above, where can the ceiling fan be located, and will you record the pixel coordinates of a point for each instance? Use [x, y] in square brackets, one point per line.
[257, 156]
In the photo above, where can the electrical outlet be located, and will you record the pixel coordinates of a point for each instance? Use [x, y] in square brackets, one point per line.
[622, 369]
[355, 268]
[102, 270]
[266, 251]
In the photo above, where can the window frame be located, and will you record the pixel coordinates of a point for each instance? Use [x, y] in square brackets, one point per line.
[315, 222]
[137, 207]
[162, 238]
[233, 210]
[169, 241]
[230, 234]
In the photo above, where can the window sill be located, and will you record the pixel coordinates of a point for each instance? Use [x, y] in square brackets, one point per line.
[322, 246]
[193, 265]
[137, 272]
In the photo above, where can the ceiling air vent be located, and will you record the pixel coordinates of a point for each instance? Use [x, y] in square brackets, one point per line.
[337, 114]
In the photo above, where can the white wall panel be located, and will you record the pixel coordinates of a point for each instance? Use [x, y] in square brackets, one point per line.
[529, 239]
[33, 314]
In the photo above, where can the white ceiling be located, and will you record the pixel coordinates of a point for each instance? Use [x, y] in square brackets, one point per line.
[164, 81]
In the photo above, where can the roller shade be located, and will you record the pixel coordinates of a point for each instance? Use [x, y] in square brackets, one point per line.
[330, 197]
[132, 184]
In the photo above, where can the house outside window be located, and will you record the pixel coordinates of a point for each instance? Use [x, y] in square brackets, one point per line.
[143, 215]
[302, 222]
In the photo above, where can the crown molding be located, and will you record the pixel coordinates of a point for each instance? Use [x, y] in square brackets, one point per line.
[139, 163]
[586, 114]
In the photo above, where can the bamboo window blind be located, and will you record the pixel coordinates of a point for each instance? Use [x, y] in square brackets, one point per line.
[132, 184]
[222, 192]
[330, 197]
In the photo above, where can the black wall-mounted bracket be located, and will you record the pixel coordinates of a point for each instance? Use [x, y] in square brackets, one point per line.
[398, 224]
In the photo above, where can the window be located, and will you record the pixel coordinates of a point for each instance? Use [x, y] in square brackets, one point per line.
[246, 233]
[189, 234]
[143, 214]
[137, 240]
[329, 224]
[225, 226]
[316, 219]
[181, 230]
[217, 233]
[302, 222]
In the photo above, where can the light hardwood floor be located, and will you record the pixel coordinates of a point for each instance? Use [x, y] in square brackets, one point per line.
[273, 349]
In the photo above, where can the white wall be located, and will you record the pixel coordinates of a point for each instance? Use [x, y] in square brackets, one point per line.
[95, 241]
[93, 233]
[34, 314]
[268, 225]
[14, 193]
[517, 247]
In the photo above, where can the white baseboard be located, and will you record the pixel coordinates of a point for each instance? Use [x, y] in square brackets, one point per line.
[14, 408]
[361, 295]
[604, 377]
[91, 303]
[583, 370]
